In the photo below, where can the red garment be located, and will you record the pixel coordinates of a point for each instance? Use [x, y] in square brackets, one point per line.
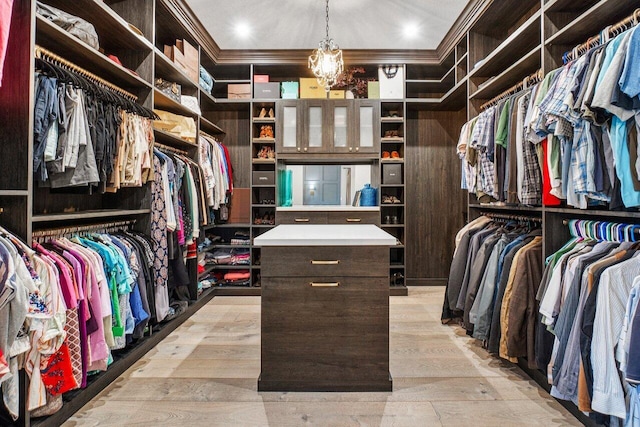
[58, 375]
[6, 7]
[548, 199]
[235, 276]
[229, 167]
[4, 366]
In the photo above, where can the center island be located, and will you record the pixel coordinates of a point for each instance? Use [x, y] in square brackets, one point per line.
[325, 308]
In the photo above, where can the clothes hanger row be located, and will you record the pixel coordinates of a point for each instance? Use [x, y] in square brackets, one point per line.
[603, 37]
[63, 70]
[82, 229]
[163, 147]
[519, 218]
[526, 83]
[603, 230]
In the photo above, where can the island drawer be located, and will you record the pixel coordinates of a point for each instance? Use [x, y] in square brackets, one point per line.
[353, 217]
[325, 261]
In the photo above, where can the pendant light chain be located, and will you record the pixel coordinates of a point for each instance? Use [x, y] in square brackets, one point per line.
[327, 17]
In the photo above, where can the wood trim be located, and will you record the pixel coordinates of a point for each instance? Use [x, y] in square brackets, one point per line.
[299, 56]
[190, 21]
[461, 26]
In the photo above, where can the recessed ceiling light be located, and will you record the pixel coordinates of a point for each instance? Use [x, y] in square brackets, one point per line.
[243, 30]
[411, 30]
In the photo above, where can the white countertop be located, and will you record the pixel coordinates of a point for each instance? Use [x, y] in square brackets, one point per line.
[332, 208]
[325, 235]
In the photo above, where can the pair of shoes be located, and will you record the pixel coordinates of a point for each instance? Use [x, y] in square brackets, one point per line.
[268, 202]
[266, 131]
[388, 199]
[392, 113]
[397, 279]
[267, 219]
[391, 133]
[393, 155]
[390, 219]
[266, 152]
[263, 113]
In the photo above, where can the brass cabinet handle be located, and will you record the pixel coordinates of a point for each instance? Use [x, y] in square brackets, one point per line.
[325, 285]
[320, 262]
[301, 220]
[350, 148]
[298, 148]
[357, 148]
[354, 219]
[305, 149]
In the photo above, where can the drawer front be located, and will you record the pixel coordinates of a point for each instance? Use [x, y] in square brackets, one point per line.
[324, 261]
[321, 334]
[300, 217]
[352, 217]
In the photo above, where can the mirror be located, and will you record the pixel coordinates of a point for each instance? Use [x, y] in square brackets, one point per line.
[327, 184]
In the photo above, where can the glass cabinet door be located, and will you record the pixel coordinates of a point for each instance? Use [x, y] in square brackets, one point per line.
[340, 126]
[367, 126]
[288, 126]
[315, 130]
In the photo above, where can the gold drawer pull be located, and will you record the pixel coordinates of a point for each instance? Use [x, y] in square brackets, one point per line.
[318, 262]
[301, 219]
[325, 285]
[354, 219]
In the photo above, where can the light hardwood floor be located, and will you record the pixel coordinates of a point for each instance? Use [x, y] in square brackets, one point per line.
[205, 372]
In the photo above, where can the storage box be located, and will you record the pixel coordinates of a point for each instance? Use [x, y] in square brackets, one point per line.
[266, 90]
[191, 61]
[240, 207]
[289, 90]
[373, 90]
[261, 78]
[336, 94]
[391, 174]
[263, 178]
[391, 79]
[239, 91]
[309, 88]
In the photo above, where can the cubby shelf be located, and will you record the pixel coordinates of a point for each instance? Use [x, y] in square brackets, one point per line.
[104, 213]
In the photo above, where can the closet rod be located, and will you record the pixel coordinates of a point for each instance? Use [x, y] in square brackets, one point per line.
[581, 49]
[511, 217]
[163, 147]
[42, 53]
[61, 231]
[522, 85]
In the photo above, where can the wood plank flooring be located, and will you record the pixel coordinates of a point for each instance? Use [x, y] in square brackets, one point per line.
[205, 372]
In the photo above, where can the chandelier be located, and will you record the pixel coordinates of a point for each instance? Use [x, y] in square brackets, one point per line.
[326, 61]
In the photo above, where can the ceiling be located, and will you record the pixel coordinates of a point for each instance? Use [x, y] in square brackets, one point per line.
[353, 24]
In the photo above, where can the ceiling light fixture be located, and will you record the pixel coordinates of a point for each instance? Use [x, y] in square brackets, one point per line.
[326, 61]
[243, 30]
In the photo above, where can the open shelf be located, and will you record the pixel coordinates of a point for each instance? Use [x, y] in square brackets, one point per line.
[105, 213]
[505, 208]
[169, 71]
[210, 127]
[587, 24]
[55, 39]
[515, 46]
[172, 140]
[523, 67]
[163, 102]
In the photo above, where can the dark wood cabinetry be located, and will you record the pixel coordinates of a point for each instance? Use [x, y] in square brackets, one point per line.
[325, 319]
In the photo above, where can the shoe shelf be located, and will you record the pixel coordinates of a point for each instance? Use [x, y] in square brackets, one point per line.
[392, 208]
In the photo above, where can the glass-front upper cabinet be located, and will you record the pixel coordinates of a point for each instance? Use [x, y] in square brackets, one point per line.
[289, 138]
[367, 126]
[341, 124]
[315, 138]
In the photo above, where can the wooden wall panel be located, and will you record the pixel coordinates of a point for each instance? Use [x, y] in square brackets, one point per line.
[237, 125]
[436, 206]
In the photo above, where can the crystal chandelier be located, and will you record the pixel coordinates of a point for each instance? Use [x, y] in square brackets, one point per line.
[326, 61]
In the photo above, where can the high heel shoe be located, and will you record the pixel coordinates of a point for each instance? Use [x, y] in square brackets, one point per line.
[263, 113]
[271, 114]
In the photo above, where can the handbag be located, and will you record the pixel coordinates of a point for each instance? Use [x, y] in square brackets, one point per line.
[70, 23]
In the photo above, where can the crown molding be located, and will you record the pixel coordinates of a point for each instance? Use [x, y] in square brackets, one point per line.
[461, 26]
[300, 56]
[190, 21]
